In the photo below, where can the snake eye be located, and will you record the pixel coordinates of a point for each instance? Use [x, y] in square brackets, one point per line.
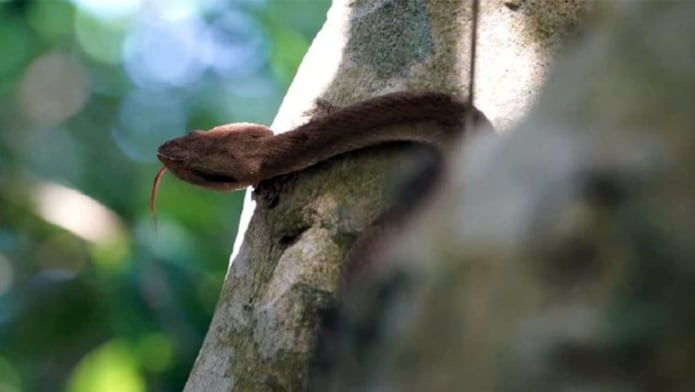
[214, 177]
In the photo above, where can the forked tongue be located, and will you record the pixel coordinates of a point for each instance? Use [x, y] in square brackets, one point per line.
[153, 195]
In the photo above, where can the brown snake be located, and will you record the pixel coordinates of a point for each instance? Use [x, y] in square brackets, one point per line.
[234, 156]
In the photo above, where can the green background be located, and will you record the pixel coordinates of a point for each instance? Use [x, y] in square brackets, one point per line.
[91, 297]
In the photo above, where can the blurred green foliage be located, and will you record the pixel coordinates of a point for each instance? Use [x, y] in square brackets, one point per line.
[91, 297]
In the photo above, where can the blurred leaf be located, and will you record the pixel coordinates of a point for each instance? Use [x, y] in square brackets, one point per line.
[156, 352]
[100, 40]
[288, 50]
[158, 290]
[109, 368]
[10, 380]
[14, 44]
[53, 20]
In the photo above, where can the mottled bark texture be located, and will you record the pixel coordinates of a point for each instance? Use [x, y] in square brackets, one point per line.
[284, 275]
[562, 259]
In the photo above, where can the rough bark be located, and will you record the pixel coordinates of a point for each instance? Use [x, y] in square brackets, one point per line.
[562, 258]
[285, 273]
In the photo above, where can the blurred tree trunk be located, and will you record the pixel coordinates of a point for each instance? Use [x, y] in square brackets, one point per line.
[284, 275]
[562, 257]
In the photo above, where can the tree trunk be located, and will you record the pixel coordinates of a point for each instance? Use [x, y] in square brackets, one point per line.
[562, 257]
[284, 275]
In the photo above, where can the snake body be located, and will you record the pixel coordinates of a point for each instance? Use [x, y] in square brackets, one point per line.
[237, 155]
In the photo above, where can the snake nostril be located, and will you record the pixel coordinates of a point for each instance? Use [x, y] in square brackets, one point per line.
[171, 150]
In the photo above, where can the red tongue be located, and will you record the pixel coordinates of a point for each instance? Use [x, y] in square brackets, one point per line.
[153, 194]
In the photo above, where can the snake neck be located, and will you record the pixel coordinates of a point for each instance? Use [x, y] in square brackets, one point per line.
[431, 118]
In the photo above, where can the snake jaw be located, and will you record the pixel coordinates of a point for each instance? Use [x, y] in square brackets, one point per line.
[198, 176]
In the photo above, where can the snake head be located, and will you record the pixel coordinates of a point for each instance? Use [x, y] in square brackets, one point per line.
[225, 158]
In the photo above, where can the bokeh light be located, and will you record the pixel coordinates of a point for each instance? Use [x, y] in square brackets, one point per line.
[161, 54]
[111, 367]
[92, 298]
[138, 136]
[109, 9]
[77, 213]
[235, 45]
[53, 88]
[100, 40]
